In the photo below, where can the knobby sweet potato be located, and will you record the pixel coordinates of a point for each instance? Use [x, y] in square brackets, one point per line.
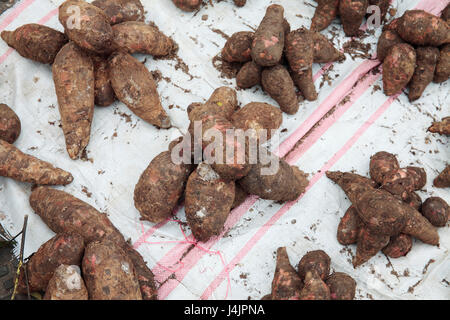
[398, 68]
[205, 217]
[286, 283]
[268, 42]
[109, 273]
[26, 168]
[436, 210]
[10, 126]
[352, 13]
[62, 212]
[348, 229]
[421, 28]
[398, 246]
[442, 72]
[324, 51]
[86, 25]
[426, 61]
[160, 187]
[188, 5]
[238, 47]
[120, 11]
[277, 82]
[342, 286]
[326, 12]
[368, 245]
[443, 179]
[73, 75]
[381, 164]
[36, 42]
[286, 184]
[66, 284]
[442, 127]
[388, 39]
[260, 117]
[104, 93]
[314, 287]
[249, 75]
[64, 248]
[317, 261]
[139, 37]
[134, 85]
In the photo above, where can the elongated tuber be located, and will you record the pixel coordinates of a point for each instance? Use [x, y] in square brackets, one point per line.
[323, 50]
[326, 12]
[387, 40]
[120, 11]
[398, 68]
[86, 25]
[352, 13]
[206, 218]
[277, 82]
[26, 168]
[286, 283]
[426, 61]
[160, 187]
[10, 126]
[133, 84]
[249, 75]
[436, 210]
[66, 284]
[73, 75]
[36, 42]
[368, 245]
[348, 229]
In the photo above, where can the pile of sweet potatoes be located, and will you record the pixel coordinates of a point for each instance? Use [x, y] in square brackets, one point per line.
[415, 51]
[210, 187]
[278, 59]
[386, 212]
[311, 281]
[92, 62]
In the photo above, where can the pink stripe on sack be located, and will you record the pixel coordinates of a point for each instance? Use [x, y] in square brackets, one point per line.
[263, 230]
[15, 13]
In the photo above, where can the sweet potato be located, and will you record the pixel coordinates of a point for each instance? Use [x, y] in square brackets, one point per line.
[413, 200]
[348, 229]
[317, 261]
[436, 210]
[286, 283]
[238, 47]
[104, 93]
[86, 25]
[73, 75]
[66, 284]
[392, 26]
[398, 246]
[442, 72]
[443, 179]
[323, 50]
[239, 196]
[10, 126]
[205, 217]
[419, 227]
[133, 85]
[387, 40]
[36, 42]
[326, 12]
[404, 180]
[260, 117]
[240, 3]
[277, 82]
[421, 28]
[160, 187]
[188, 5]
[381, 164]
[352, 13]
[26, 168]
[305, 84]
[368, 245]
[381, 212]
[426, 61]
[342, 286]
[398, 68]
[225, 99]
[442, 127]
[64, 248]
[109, 273]
[139, 37]
[268, 42]
[287, 184]
[120, 11]
[249, 75]
[63, 212]
[314, 288]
